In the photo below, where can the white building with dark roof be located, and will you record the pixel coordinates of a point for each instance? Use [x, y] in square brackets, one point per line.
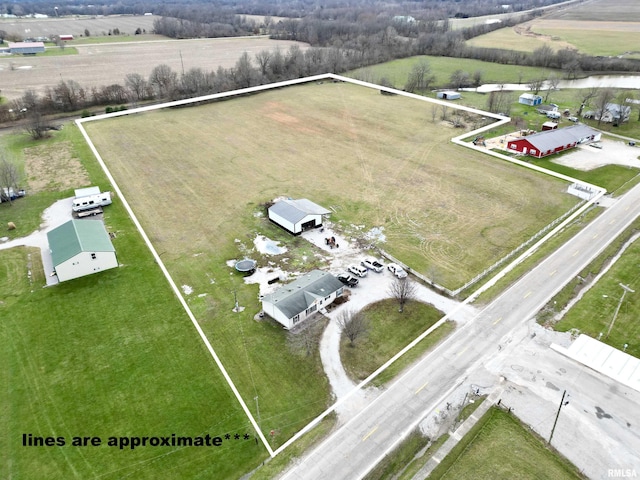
[296, 216]
[302, 298]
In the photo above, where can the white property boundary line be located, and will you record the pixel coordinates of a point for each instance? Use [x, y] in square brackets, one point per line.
[501, 120]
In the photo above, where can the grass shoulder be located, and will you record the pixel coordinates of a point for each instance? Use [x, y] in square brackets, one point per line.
[500, 446]
[390, 331]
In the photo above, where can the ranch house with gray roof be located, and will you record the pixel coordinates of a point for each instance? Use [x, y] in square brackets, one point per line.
[297, 301]
[296, 216]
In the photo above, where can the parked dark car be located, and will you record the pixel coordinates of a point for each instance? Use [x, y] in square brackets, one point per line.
[348, 280]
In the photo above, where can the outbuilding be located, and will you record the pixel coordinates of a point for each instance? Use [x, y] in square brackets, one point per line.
[26, 48]
[79, 248]
[296, 216]
[530, 99]
[449, 95]
[304, 297]
[552, 141]
[65, 37]
[549, 126]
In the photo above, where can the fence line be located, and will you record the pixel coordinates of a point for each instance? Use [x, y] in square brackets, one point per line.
[519, 248]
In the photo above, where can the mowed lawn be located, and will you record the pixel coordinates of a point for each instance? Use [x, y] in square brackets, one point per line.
[594, 312]
[193, 175]
[499, 446]
[111, 354]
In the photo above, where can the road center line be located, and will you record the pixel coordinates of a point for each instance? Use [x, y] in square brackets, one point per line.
[498, 320]
[553, 273]
[575, 253]
[528, 293]
[595, 236]
[418, 390]
[370, 433]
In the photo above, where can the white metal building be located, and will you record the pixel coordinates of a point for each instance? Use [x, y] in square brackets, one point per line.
[302, 298]
[296, 216]
[79, 248]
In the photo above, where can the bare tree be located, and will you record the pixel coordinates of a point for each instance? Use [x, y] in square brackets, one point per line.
[35, 125]
[9, 177]
[585, 96]
[244, 71]
[477, 78]
[136, 84]
[262, 59]
[552, 84]
[402, 290]
[420, 77]
[535, 85]
[603, 100]
[434, 113]
[353, 324]
[163, 79]
[459, 79]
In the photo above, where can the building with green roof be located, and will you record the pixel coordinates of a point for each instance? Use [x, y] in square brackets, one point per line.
[81, 247]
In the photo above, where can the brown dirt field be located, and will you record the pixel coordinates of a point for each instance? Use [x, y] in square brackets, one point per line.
[588, 25]
[53, 169]
[601, 11]
[47, 27]
[106, 64]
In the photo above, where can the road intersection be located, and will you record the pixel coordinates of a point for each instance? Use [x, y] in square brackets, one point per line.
[474, 351]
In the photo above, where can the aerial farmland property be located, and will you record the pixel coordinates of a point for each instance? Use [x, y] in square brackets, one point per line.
[199, 179]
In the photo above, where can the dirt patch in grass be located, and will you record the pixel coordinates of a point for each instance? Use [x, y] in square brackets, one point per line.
[53, 169]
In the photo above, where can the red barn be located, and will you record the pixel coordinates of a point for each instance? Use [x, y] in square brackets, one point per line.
[553, 141]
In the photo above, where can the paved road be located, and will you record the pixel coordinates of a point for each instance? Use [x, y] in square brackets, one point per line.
[356, 447]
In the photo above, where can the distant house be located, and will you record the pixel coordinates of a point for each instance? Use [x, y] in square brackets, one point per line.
[545, 109]
[552, 141]
[448, 95]
[302, 298]
[530, 99]
[79, 248]
[26, 48]
[613, 113]
[296, 216]
[404, 19]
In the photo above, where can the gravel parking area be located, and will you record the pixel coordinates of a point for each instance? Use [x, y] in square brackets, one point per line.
[613, 152]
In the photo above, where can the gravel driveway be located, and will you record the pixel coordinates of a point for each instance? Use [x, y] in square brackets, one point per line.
[54, 216]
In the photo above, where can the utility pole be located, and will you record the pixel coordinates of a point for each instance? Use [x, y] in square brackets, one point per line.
[626, 289]
[562, 403]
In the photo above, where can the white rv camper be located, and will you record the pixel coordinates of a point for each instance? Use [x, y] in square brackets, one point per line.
[92, 199]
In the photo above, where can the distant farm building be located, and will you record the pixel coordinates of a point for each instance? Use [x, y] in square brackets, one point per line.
[552, 141]
[530, 99]
[302, 298]
[296, 216]
[26, 48]
[549, 126]
[65, 38]
[79, 248]
[448, 95]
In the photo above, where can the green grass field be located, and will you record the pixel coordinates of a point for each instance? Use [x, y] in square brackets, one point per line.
[397, 71]
[389, 332]
[593, 314]
[447, 212]
[593, 41]
[508, 36]
[110, 355]
[499, 446]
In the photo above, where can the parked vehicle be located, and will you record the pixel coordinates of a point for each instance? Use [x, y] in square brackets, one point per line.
[372, 264]
[397, 270]
[595, 145]
[348, 280]
[90, 202]
[357, 270]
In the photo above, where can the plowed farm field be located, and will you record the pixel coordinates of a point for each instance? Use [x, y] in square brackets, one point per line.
[109, 63]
